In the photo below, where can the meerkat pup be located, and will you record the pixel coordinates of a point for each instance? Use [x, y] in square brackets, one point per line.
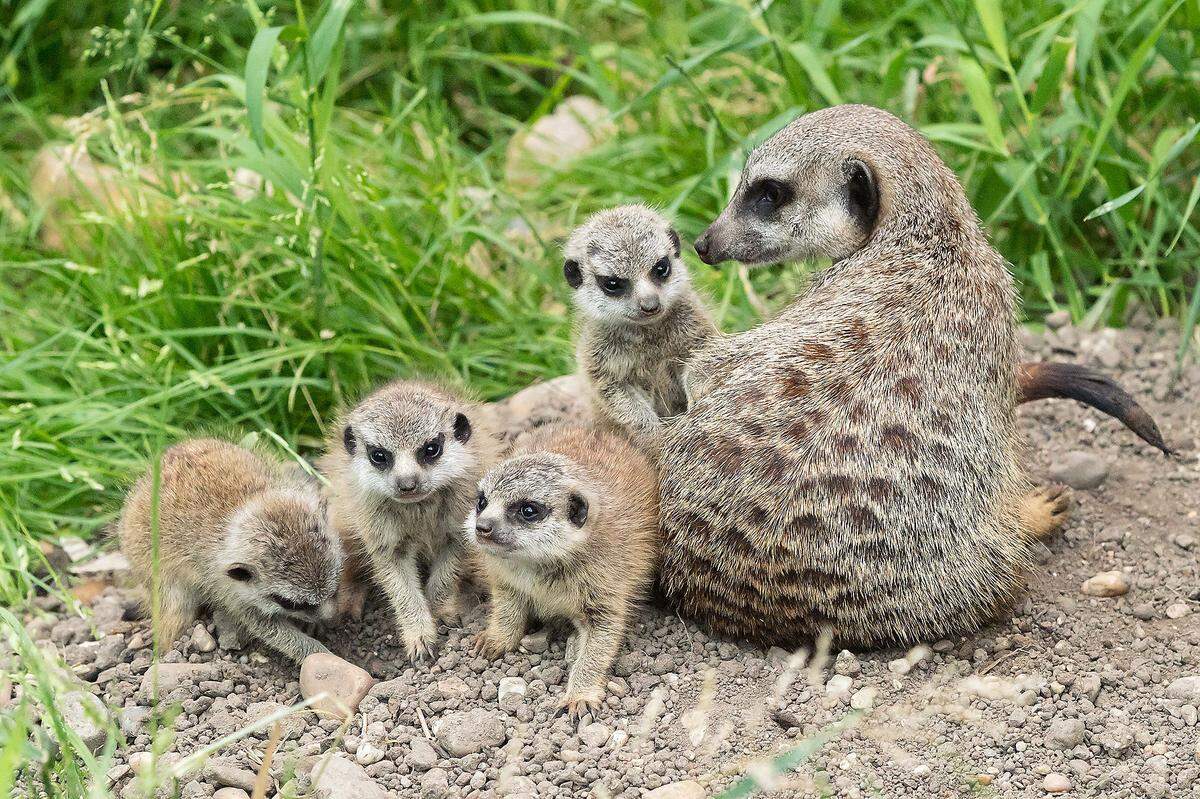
[403, 465]
[235, 534]
[640, 319]
[567, 526]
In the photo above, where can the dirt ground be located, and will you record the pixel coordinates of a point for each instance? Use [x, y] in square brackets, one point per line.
[1074, 693]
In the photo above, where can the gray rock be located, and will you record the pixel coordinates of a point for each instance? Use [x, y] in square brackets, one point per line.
[435, 784]
[1106, 584]
[133, 719]
[1057, 319]
[1056, 783]
[536, 643]
[169, 676]
[227, 773]
[511, 692]
[202, 640]
[368, 753]
[1080, 470]
[847, 664]
[339, 777]
[595, 735]
[87, 717]
[1065, 733]
[230, 793]
[1185, 689]
[421, 755]
[688, 789]
[470, 732]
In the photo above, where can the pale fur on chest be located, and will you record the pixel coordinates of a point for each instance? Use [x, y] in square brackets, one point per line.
[422, 528]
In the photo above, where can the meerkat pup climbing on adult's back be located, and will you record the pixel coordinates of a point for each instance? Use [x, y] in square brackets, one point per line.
[403, 465]
[640, 319]
[567, 526]
[235, 534]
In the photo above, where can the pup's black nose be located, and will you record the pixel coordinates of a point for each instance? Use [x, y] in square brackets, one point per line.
[650, 305]
[406, 484]
[483, 528]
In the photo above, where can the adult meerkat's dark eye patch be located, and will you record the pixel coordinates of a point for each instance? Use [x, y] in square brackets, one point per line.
[767, 195]
[862, 193]
[572, 274]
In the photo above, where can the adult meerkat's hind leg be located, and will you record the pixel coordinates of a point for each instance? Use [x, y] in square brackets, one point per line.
[1044, 511]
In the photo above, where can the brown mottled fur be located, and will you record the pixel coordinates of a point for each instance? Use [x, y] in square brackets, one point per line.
[221, 506]
[594, 573]
[853, 464]
[397, 538]
[634, 363]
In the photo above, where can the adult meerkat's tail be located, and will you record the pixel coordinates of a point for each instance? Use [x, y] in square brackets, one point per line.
[1056, 380]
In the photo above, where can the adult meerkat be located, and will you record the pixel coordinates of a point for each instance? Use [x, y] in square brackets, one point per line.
[403, 465]
[640, 319]
[238, 535]
[852, 465]
[567, 526]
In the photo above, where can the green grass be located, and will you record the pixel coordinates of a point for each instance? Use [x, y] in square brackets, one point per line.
[1072, 125]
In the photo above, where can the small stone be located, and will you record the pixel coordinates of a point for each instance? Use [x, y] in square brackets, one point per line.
[344, 683]
[87, 716]
[202, 640]
[1065, 733]
[1056, 783]
[435, 783]
[1057, 319]
[847, 664]
[132, 719]
[688, 789]
[863, 698]
[1143, 611]
[339, 777]
[511, 692]
[1185, 541]
[227, 773]
[595, 735]
[421, 754]
[838, 686]
[1106, 584]
[230, 793]
[368, 753]
[1185, 689]
[537, 643]
[1177, 610]
[166, 677]
[470, 732]
[1080, 470]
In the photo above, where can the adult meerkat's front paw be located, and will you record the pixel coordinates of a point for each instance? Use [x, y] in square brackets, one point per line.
[579, 703]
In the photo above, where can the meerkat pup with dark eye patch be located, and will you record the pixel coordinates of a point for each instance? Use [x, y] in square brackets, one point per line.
[235, 534]
[567, 526]
[640, 319]
[403, 466]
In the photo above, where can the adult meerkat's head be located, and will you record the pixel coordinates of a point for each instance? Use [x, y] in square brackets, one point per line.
[826, 184]
[280, 557]
[623, 265]
[407, 441]
[533, 507]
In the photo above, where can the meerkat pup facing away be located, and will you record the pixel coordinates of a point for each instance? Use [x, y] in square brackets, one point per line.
[640, 319]
[567, 527]
[237, 535]
[403, 465]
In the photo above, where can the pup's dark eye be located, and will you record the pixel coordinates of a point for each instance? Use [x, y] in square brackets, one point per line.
[480, 503]
[292, 605]
[662, 269]
[380, 458]
[431, 450]
[612, 286]
[532, 511]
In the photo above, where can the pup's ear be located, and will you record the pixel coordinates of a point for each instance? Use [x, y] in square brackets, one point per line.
[462, 428]
[572, 274]
[675, 241]
[577, 510]
[348, 440]
[241, 572]
[862, 193]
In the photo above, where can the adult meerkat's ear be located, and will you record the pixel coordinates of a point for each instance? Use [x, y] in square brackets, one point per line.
[572, 274]
[348, 440]
[674, 240]
[862, 193]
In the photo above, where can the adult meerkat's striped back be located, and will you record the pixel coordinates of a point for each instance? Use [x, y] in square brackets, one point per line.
[851, 465]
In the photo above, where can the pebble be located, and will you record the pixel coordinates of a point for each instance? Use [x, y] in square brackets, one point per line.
[368, 753]
[345, 683]
[1080, 470]
[202, 640]
[537, 643]
[224, 772]
[1185, 689]
[87, 716]
[339, 777]
[132, 719]
[1056, 783]
[847, 664]
[1057, 319]
[470, 732]
[230, 793]
[1106, 584]
[1065, 733]
[421, 754]
[863, 698]
[1177, 610]
[511, 692]
[169, 676]
[838, 686]
[435, 783]
[688, 789]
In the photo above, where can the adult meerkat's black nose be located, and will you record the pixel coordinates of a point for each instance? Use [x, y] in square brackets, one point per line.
[701, 245]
